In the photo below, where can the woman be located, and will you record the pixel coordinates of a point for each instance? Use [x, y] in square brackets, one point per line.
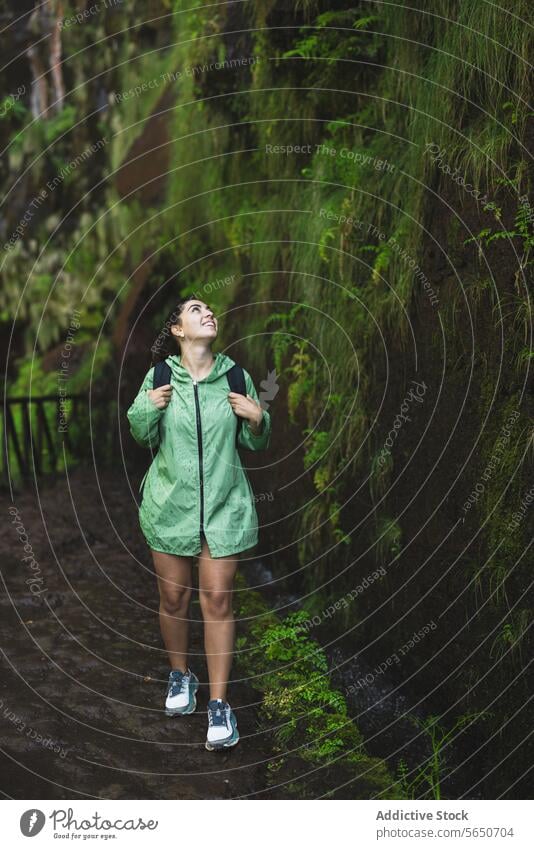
[197, 501]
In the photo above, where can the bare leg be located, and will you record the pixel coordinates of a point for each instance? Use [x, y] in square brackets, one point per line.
[215, 580]
[174, 584]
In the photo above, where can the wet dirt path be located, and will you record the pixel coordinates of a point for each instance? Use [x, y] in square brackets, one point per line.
[83, 665]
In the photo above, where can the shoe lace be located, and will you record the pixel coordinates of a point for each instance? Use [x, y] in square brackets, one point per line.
[178, 681]
[218, 716]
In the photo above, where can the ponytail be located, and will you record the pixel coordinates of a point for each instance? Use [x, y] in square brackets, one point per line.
[165, 345]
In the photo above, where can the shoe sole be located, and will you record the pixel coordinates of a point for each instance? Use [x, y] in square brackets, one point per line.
[217, 747]
[211, 748]
[184, 711]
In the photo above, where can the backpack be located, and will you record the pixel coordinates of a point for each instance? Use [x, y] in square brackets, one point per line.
[235, 376]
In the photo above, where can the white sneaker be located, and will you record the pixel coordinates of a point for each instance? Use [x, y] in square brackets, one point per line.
[181, 692]
[222, 726]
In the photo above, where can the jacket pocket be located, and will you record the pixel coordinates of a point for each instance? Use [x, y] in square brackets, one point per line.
[142, 486]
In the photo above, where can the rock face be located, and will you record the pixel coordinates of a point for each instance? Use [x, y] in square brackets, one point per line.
[144, 172]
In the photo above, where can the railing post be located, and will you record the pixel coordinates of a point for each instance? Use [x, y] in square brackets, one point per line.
[39, 437]
[11, 432]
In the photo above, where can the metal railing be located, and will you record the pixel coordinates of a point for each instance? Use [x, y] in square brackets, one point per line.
[39, 431]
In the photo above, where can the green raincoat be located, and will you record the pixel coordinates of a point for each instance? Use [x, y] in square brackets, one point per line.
[196, 476]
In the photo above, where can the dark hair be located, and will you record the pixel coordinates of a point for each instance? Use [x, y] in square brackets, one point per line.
[165, 344]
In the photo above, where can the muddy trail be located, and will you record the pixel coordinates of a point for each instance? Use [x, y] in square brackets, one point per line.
[83, 666]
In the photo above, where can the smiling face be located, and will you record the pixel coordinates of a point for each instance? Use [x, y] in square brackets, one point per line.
[196, 322]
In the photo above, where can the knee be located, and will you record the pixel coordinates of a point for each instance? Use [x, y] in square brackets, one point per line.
[216, 604]
[174, 600]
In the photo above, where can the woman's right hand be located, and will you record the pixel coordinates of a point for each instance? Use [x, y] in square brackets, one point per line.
[161, 396]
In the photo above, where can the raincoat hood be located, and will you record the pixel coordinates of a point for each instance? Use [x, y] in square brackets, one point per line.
[221, 365]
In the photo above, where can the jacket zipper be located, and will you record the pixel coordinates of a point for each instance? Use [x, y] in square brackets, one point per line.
[200, 467]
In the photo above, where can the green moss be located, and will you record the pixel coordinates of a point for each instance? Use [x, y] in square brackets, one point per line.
[309, 718]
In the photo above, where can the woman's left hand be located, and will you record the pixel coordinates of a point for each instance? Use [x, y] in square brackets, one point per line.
[246, 407]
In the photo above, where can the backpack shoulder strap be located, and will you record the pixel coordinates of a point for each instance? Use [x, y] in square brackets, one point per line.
[236, 382]
[236, 379]
[162, 374]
